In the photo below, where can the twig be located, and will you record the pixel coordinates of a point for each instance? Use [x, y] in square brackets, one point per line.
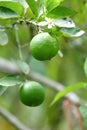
[54, 85]
[69, 109]
[8, 67]
[78, 116]
[18, 42]
[12, 119]
[11, 67]
[67, 113]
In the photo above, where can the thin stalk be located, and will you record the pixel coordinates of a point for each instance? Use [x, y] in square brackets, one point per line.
[18, 42]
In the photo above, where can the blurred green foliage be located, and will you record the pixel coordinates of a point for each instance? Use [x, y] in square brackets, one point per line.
[68, 70]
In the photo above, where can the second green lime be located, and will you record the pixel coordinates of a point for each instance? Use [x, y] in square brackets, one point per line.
[32, 93]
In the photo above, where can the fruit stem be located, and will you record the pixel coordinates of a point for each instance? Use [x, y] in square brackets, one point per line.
[18, 42]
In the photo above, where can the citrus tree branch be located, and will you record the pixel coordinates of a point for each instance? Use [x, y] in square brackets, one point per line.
[8, 66]
[12, 119]
[54, 85]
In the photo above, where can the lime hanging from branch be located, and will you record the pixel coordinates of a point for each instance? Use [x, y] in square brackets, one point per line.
[32, 93]
[43, 46]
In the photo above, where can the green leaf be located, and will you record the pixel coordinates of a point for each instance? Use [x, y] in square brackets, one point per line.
[3, 37]
[51, 4]
[29, 13]
[2, 90]
[42, 9]
[83, 111]
[24, 4]
[85, 67]
[67, 90]
[61, 12]
[9, 81]
[34, 5]
[6, 13]
[72, 32]
[12, 5]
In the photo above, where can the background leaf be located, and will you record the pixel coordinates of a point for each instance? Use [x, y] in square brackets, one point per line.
[61, 12]
[64, 22]
[67, 90]
[2, 90]
[3, 37]
[51, 4]
[83, 111]
[85, 67]
[72, 32]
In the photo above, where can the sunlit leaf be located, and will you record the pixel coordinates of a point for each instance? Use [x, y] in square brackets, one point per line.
[29, 13]
[9, 81]
[72, 32]
[51, 4]
[24, 4]
[3, 37]
[61, 12]
[67, 90]
[34, 5]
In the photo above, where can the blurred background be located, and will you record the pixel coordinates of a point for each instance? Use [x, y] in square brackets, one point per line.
[67, 70]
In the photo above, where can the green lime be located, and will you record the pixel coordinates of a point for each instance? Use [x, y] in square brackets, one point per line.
[43, 46]
[31, 93]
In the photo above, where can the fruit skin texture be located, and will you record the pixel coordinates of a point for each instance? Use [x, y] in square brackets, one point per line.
[43, 46]
[31, 93]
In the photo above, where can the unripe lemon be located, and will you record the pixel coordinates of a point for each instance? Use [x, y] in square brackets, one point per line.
[31, 93]
[43, 46]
